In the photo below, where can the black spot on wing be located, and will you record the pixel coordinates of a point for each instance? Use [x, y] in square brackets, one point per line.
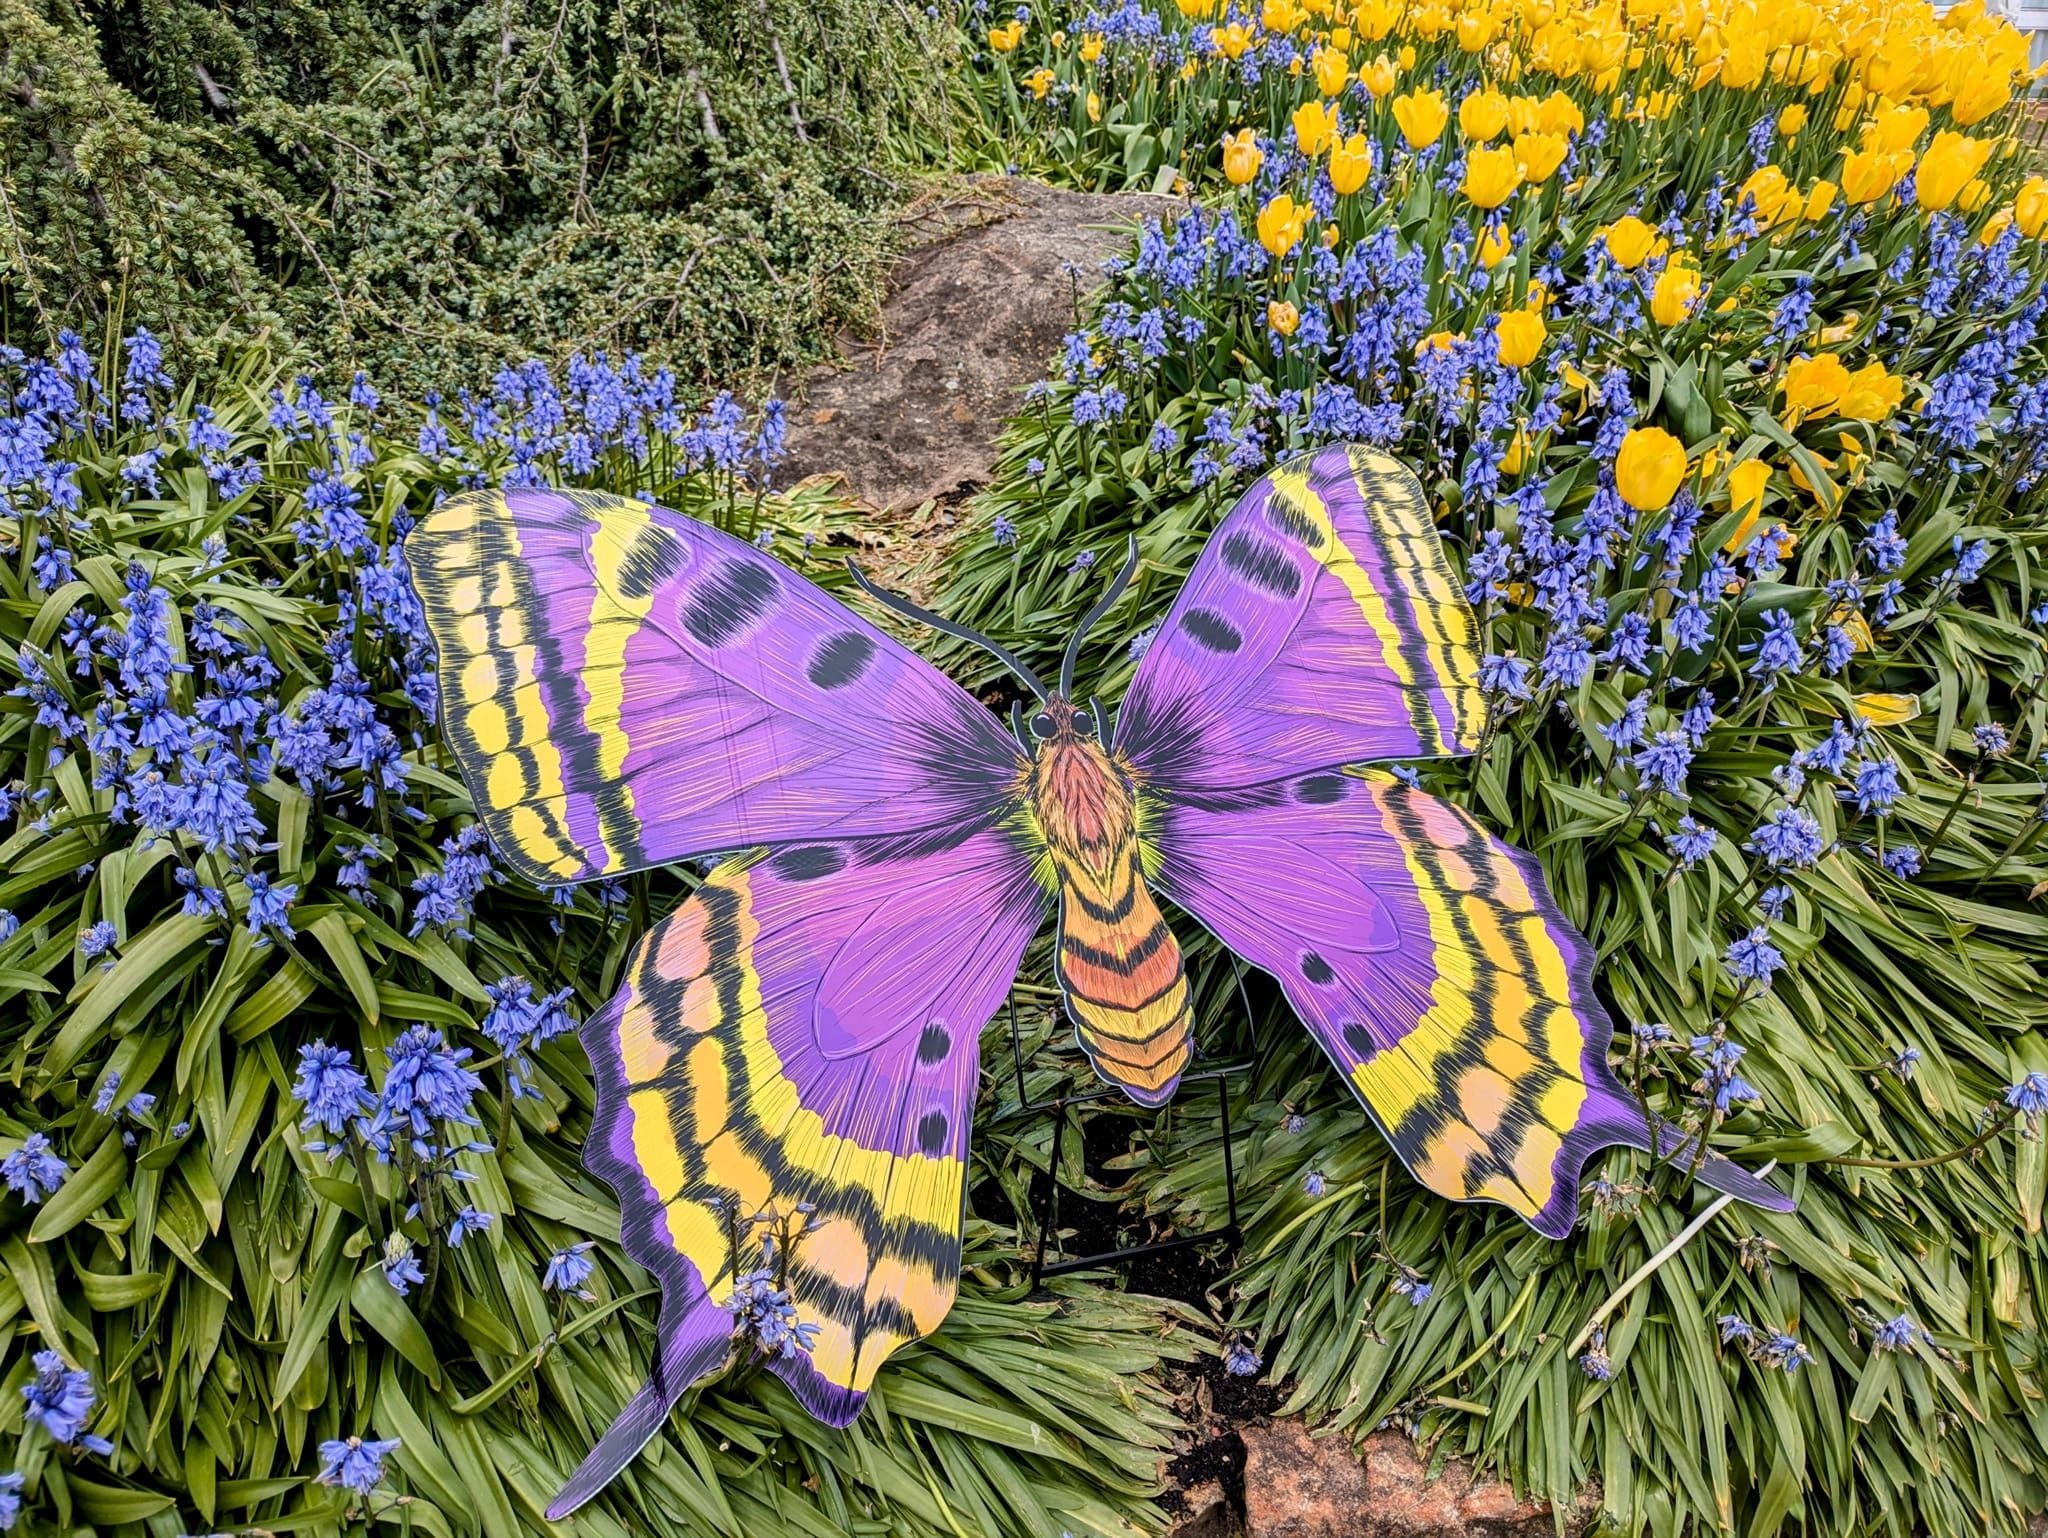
[1315, 969]
[650, 559]
[933, 1043]
[725, 604]
[841, 659]
[1320, 789]
[1211, 631]
[1260, 564]
[931, 1133]
[1359, 1040]
[1290, 520]
[811, 862]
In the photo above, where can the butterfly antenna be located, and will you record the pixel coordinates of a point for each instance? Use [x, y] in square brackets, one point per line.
[1102, 607]
[909, 610]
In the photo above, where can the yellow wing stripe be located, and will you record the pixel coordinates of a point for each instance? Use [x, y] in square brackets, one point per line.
[1394, 501]
[1445, 634]
[1498, 1035]
[474, 588]
[615, 617]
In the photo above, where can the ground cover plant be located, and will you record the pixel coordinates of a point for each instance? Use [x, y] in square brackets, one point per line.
[1714, 331]
[422, 188]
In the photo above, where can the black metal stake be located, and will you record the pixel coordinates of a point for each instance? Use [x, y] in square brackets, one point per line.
[1047, 1214]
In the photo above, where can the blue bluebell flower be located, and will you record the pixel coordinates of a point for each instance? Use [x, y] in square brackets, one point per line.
[355, 1463]
[33, 1171]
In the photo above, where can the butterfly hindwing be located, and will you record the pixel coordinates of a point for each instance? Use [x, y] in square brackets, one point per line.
[805, 1031]
[1320, 625]
[1430, 961]
[624, 686]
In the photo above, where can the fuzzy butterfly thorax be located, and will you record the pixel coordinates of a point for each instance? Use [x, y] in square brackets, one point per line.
[1119, 964]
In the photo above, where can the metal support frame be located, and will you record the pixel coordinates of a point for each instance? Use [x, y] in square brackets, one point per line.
[1046, 1215]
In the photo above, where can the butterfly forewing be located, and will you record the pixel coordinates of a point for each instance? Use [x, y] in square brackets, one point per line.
[624, 687]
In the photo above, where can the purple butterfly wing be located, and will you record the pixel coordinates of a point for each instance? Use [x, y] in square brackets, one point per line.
[1433, 966]
[802, 1039]
[1320, 625]
[625, 686]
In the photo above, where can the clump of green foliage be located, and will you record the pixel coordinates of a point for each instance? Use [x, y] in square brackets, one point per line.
[415, 187]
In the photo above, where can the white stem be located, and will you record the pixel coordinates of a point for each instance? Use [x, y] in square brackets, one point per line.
[1642, 1273]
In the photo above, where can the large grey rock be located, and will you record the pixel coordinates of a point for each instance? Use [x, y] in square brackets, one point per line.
[976, 309]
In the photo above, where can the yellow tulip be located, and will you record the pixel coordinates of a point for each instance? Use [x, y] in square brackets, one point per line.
[2030, 206]
[1871, 394]
[1888, 709]
[1379, 76]
[1003, 39]
[1475, 30]
[1280, 225]
[1895, 128]
[1438, 341]
[1677, 291]
[1744, 63]
[1242, 157]
[1952, 161]
[1491, 176]
[1773, 198]
[1483, 115]
[1038, 82]
[1746, 483]
[1540, 154]
[1814, 385]
[1091, 47]
[1517, 455]
[1333, 71]
[1094, 108]
[1197, 10]
[1521, 335]
[1868, 175]
[1819, 201]
[1979, 95]
[1315, 124]
[1649, 469]
[1350, 165]
[1421, 116]
[1231, 41]
[1407, 56]
[1630, 242]
[1975, 194]
[1791, 120]
[1494, 245]
[1282, 316]
[1560, 115]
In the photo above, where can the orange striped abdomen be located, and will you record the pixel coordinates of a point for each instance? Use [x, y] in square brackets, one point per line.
[1121, 969]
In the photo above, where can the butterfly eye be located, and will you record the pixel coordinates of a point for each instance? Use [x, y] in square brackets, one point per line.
[1084, 723]
[1041, 725]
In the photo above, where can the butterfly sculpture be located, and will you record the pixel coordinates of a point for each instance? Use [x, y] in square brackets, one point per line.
[624, 686]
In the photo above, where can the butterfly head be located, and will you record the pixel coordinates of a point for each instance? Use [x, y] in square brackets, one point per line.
[1059, 722]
